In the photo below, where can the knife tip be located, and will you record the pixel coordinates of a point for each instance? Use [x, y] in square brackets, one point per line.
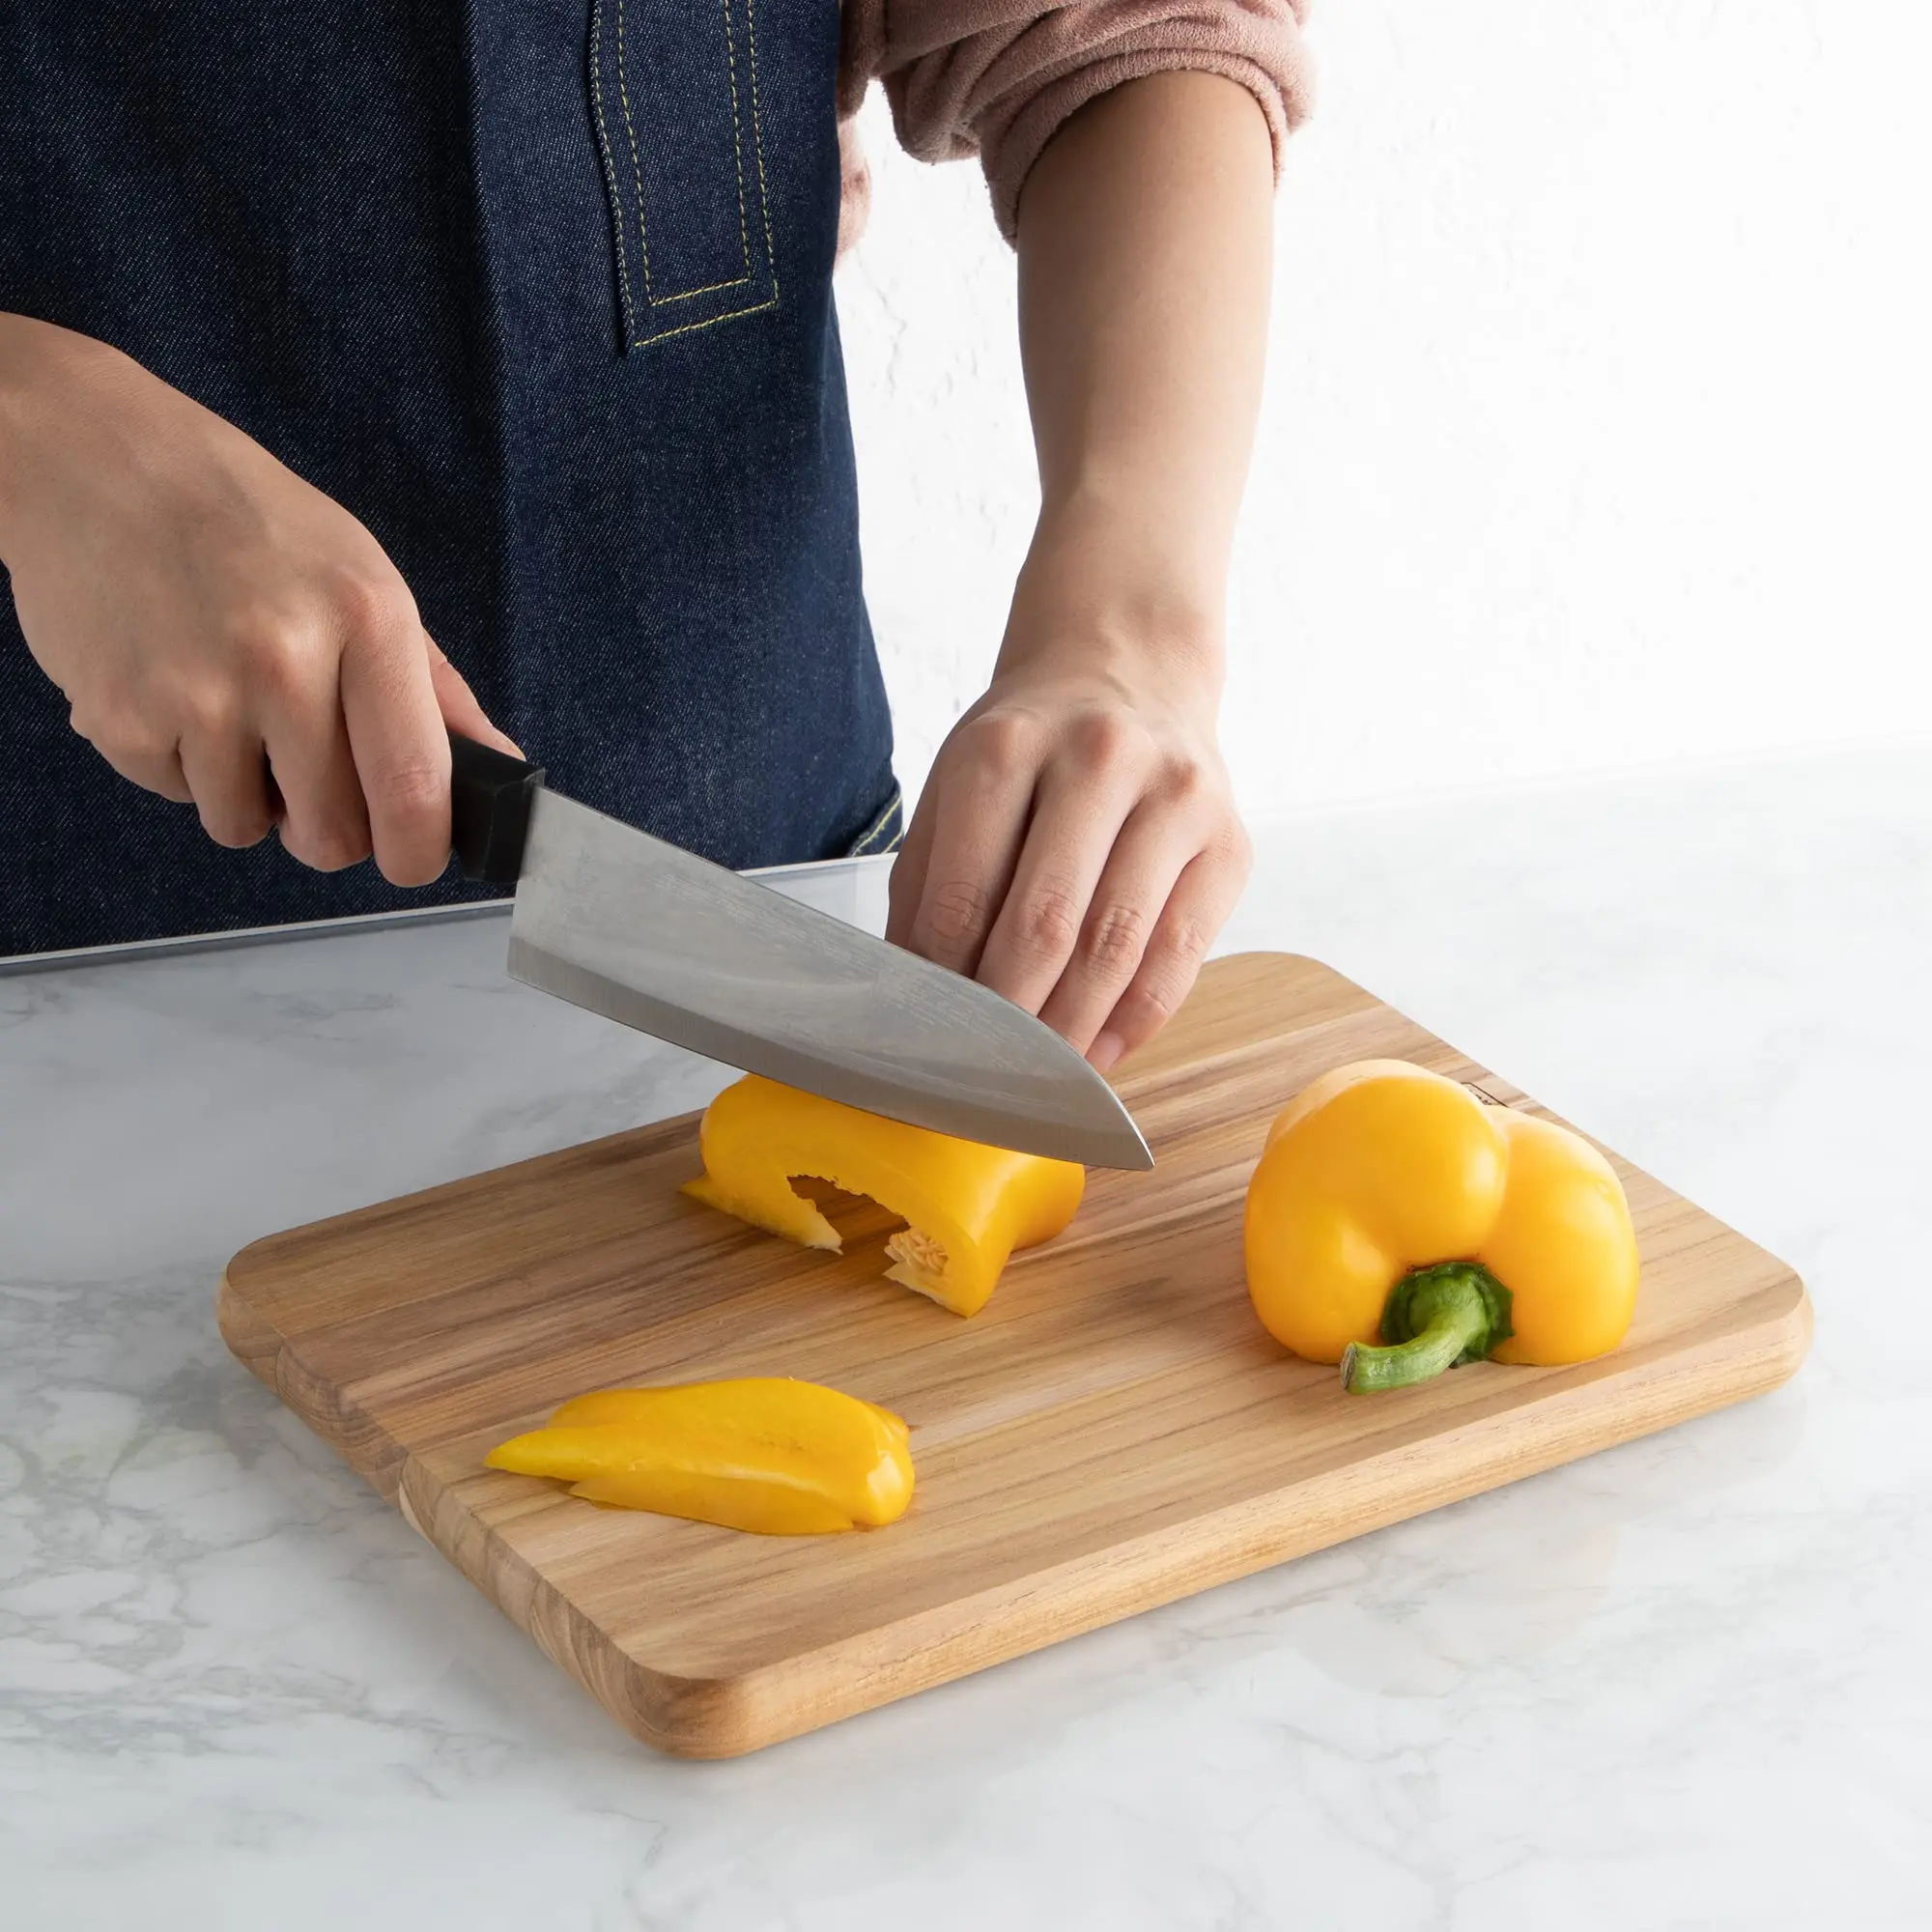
[1122, 1148]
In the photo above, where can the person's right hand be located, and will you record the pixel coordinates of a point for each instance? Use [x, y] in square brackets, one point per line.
[224, 634]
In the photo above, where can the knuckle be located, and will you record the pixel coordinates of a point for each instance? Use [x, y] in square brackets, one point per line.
[1114, 941]
[273, 651]
[1185, 944]
[371, 607]
[330, 843]
[955, 914]
[264, 635]
[1004, 741]
[409, 792]
[211, 711]
[1158, 996]
[1228, 849]
[1048, 924]
[1187, 782]
[1168, 972]
[277, 666]
[1104, 739]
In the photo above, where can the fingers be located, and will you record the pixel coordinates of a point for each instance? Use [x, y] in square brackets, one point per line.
[1196, 910]
[227, 775]
[1079, 865]
[1085, 796]
[323, 821]
[400, 746]
[969, 827]
[323, 784]
[906, 885]
[1155, 846]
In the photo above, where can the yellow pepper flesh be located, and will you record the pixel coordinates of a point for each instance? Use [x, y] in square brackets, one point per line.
[966, 1207]
[768, 1454]
[1381, 1172]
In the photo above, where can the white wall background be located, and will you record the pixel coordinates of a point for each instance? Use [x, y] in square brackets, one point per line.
[1599, 429]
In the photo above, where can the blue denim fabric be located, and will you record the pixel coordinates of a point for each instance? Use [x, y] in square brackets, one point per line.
[541, 291]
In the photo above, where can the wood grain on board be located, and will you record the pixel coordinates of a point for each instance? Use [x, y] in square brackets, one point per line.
[1113, 1432]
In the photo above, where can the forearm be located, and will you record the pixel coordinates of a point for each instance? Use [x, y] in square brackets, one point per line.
[1077, 846]
[1145, 237]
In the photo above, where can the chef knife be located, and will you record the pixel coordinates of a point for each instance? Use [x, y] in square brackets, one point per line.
[622, 923]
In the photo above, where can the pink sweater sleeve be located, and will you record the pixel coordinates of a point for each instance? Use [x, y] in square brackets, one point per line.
[998, 78]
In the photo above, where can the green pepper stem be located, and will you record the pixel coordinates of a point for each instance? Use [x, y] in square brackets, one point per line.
[1435, 1319]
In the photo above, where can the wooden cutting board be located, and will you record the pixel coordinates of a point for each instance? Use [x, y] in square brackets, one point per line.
[1113, 1431]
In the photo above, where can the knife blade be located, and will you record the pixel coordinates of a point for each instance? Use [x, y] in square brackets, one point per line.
[646, 933]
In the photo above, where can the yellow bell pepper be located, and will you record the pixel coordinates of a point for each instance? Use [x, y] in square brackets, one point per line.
[1400, 1226]
[966, 1207]
[768, 1454]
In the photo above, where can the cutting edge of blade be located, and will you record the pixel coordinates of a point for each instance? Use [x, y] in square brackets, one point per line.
[1114, 1140]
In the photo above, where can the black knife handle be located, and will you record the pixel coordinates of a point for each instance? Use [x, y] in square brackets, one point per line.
[490, 798]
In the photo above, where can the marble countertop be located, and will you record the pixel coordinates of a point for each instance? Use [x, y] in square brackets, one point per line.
[1687, 1682]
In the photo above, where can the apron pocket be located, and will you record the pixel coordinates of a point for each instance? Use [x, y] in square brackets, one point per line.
[675, 94]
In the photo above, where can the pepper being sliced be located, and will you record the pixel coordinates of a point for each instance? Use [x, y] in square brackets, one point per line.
[766, 1453]
[966, 1207]
[1400, 1226]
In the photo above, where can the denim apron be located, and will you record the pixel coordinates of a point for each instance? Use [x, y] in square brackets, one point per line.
[540, 290]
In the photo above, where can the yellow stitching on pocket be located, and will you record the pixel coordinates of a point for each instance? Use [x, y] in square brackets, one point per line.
[738, 160]
[709, 288]
[737, 132]
[636, 167]
[738, 154]
[758, 147]
[710, 322]
[610, 164]
[652, 299]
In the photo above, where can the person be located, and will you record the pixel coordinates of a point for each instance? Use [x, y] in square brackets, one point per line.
[372, 371]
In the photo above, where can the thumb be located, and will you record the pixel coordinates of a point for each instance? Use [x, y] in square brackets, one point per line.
[457, 703]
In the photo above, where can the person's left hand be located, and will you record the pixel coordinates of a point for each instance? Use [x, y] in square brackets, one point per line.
[1076, 846]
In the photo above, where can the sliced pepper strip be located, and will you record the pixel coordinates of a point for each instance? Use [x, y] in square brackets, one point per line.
[1399, 1226]
[768, 1454]
[966, 1207]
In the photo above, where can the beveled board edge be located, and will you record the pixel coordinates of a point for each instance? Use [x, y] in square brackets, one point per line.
[1584, 1410]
